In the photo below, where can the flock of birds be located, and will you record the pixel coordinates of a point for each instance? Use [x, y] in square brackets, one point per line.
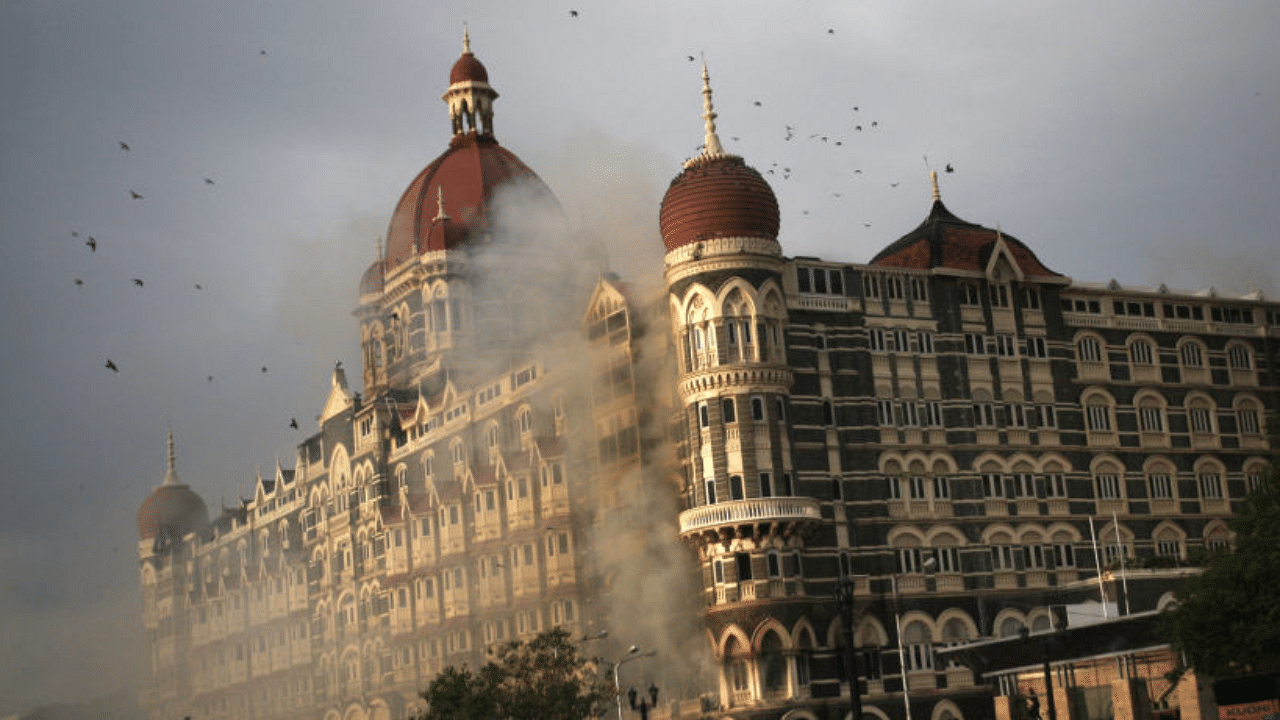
[92, 243]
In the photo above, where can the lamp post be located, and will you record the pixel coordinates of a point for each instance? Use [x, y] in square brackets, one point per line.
[844, 598]
[927, 568]
[633, 653]
[645, 703]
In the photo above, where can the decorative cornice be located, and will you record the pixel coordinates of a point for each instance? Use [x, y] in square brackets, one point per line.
[708, 384]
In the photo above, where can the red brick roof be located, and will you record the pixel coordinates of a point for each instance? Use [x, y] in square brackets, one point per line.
[945, 241]
[718, 197]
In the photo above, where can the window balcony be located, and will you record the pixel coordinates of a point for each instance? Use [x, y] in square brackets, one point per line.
[749, 518]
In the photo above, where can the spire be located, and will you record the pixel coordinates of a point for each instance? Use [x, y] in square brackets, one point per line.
[440, 213]
[171, 475]
[933, 179]
[466, 40]
[711, 145]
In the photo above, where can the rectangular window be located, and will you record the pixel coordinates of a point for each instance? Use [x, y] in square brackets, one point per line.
[1017, 415]
[909, 560]
[984, 414]
[1002, 557]
[743, 563]
[917, 485]
[975, 344]
[919, 290]
[1161, 486]
[941, 488]
[711, 492]
[1048, 416]
[969, 294]
[1201, 421]
[1037, 347]
[1099, 418]
[909, 414]
[1033, 557]
[1109, 486]
[1000, 296]
[933, 413]
[1141, 353]
[1064, 555]
[704, 417]
[1247, 419]
[1211, 486]
[1055, 485]
[992, 485]
[948, 559]
[757, 408]
[1024, 485]
[728, 409]
[1031, 298]
[894, 487]
[884, 413]
[924, 339]
[766, 485]
[1151, 419]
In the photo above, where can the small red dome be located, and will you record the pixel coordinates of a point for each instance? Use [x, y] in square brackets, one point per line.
[718, 197]
[468, 68]
[945, 241]
[470, 172]
[372, 281]
[174, 508]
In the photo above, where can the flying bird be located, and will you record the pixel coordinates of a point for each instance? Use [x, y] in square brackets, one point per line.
[137, 281]
[79, 281]
[209, 378]
[893, 184]
[135, 195]
[573, 13]
[112, 366]
[124, 146]
[759, 104]
[262, 52]
[75, 234]
[950, 169]
[293, 423]
[831, 31]
[92, 243]
[858, 128]
[199, 287]
[208, 181]
[264, 368]
[875, 123]
[691, 58]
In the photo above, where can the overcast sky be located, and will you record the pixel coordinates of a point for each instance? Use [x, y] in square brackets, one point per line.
[1135, 141]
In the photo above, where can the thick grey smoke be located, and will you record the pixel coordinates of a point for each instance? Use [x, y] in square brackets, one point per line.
[540, 267]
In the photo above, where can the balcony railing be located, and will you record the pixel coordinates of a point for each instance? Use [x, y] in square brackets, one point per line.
[752, 511]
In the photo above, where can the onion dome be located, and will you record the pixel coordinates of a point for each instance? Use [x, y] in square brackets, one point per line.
[373, 280]
[172, 508]
[467, 175]
[717, 195]
[468, 68]
[945, 241]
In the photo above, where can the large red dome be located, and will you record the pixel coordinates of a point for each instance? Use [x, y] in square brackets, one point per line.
[468, 68]
[718, 196]
[469, 173]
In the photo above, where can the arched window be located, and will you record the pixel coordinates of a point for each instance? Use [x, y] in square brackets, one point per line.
[1142, 352]
[773, 666]
[1248, 416]
[918, 646]
[736, 671]
[1161, 484]
[954, 633]
[1201, 417]
[1108, 479]
[1098, 412]
[1089, 349]
[1010, 627]
[526, 421]
[1240, 357]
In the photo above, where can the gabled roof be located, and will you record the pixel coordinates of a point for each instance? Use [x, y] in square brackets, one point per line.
[945, 241]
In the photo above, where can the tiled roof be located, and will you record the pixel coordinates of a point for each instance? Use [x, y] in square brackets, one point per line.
[945, 241]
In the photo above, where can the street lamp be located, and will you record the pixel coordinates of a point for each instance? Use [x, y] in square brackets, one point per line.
[844, 598]
[927, 568]
[633, 653]
[644, 705]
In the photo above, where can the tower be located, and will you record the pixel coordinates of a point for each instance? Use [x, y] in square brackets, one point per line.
[724, 269]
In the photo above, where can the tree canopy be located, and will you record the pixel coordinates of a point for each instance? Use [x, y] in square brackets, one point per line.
[1227, 621]
[543, 679]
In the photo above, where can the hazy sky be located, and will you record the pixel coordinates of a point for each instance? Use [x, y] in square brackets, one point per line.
[1135, 141]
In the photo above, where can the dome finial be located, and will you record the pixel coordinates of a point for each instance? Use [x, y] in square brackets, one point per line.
[466, 40]
[171, 475]
[933, 179]
[711, 145]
